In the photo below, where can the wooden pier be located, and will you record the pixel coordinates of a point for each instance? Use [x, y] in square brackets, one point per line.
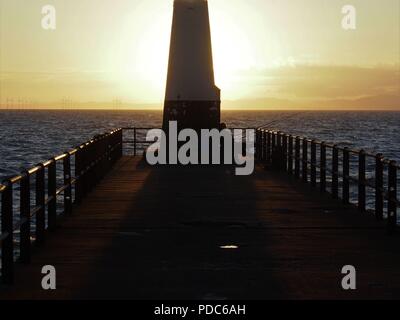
[145, 232]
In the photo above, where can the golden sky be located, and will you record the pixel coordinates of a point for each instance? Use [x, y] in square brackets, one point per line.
[267, 53]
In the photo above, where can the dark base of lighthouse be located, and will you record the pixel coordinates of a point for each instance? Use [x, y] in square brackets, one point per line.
[195, 115]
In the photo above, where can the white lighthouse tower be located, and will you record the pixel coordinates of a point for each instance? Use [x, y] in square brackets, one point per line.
[192, 98]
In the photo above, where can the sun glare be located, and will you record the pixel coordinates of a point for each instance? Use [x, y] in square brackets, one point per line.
[231, 51]
[146, 55]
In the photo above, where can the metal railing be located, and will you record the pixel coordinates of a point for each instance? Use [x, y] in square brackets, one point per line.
[318, 163]
[134, 139]
[310, 160]
[33, 210]
[39, 201]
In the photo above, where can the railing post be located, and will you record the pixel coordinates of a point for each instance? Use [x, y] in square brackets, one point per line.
[305, 160]
[257, 144]
[51, 192]
[323, 167]
[269, 144]
[313, 163]
[392, 197]
[379, 199]
[95, 175]
[104, 150]
[67, 182]
[86, 161]
[89, 153]
[114, 139]
[92, 163]
[265, 146]
[290, 155]
[346, 176]
[297, 158]
[77, 169]
[134, 142]
[40, 200]
[110, 153]
[85, 166]
[99, 159]
[78, 175]
[106, 154]
[277, 161]
[285, 148]
[7, 245]
[279, 139]
[361, 181]
[120, 141]
[335, 172]
[273, 142]
[25, 229]
[261, 137]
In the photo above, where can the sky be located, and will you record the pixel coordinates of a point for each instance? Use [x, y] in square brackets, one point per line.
[272, 54]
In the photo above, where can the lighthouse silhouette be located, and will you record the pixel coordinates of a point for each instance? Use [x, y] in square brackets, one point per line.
[191, 98]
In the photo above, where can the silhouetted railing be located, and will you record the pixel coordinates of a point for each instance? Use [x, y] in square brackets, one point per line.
[134, 139]
[335, 169]
[30, 206]
[38, 201]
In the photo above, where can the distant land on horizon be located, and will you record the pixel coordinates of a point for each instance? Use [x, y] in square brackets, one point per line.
[379, 102]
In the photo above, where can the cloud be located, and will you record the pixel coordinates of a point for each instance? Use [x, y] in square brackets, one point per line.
[308, 86]
[379, 102]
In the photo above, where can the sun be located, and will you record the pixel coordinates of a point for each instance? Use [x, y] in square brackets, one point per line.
[231, 52]
[145, 50]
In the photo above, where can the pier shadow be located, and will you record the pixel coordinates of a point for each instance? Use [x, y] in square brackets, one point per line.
[186, 233]
[204, 233]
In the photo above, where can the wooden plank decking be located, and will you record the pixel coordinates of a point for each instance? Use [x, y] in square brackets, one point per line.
[148, 232]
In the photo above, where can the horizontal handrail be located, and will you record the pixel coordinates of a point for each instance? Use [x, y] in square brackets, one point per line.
[319, 142]
[155, 128]
[138, 141]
